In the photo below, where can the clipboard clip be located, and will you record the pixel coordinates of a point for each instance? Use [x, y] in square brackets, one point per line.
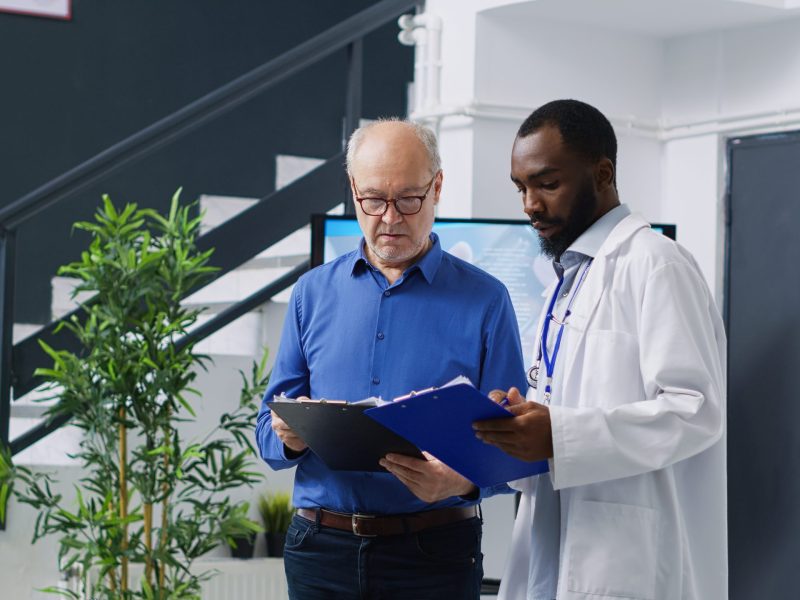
[413, 393]
[322, 401]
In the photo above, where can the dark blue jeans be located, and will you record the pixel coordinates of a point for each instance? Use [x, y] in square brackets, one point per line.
[441, 563]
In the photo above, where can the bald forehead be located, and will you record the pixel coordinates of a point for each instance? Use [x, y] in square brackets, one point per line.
[390, 146]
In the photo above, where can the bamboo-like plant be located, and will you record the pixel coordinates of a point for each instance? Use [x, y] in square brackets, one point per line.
[147, 496]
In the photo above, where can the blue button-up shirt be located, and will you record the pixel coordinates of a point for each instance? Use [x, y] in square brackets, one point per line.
[349, 335]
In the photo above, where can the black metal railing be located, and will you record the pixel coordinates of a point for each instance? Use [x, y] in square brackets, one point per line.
[235, 241]
[229, 315]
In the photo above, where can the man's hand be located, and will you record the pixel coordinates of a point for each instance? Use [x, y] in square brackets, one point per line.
[528, 436]
[429, 479]
[289, 438]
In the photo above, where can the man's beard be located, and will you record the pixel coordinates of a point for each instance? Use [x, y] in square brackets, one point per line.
[580, 218]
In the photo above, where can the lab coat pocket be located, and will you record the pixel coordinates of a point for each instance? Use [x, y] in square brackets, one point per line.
[611, 373]
[612, 550]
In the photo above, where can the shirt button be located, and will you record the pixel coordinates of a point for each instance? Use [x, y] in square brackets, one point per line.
[376, 380]
[380, 335]
[387, 293]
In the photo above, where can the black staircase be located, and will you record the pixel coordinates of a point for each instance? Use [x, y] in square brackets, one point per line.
[235, 241]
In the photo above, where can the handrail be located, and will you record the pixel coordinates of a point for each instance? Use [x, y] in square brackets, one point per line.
[42, 430]
[244, 306]
[210, 106]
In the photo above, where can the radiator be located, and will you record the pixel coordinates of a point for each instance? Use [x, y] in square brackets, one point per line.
[244, 579]
[235, 579]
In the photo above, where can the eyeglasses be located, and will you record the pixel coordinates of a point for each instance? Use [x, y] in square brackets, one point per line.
[405, 205]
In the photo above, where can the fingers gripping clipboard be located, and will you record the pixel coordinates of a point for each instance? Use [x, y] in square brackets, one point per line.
[342, 435]
[440, 421]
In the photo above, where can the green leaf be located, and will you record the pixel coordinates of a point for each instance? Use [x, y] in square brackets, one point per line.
[56, 356]
[60, 592]
[7, 476]
[173, 209]
[147, 590]
[185, 404]
[160, 450]
[109, 206]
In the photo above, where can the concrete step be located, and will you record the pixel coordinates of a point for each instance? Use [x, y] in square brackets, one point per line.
[24, 330]
[234, 286]
[55, 449]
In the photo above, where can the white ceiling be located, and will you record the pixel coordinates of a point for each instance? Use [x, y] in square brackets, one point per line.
[661, 18]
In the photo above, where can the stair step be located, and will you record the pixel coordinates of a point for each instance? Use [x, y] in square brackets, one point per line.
[24, 330]
[289, 168]
[235, 286]
[54, 450]
[40, 396]
[63, 300]
[27, 411]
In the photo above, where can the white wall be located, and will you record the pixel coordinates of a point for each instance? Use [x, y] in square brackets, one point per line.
[520, 64]
[733, 72]
[693, 200]
[524, 62]
[26, 567]
[673, 102]
[720, 85]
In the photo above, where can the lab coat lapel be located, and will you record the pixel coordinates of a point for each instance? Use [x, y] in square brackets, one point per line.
[598, 279]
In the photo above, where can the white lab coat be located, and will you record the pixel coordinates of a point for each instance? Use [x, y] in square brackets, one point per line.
[638, 433]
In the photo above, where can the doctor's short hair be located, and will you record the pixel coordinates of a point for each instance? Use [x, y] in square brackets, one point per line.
[584, 129]
[424, 134]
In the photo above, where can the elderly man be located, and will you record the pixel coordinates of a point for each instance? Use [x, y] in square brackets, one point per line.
[627, 395]
[396, 314]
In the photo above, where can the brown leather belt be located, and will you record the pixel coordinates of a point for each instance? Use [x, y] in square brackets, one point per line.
[375, 525]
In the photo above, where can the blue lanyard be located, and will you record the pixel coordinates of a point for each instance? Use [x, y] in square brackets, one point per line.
[550, 361]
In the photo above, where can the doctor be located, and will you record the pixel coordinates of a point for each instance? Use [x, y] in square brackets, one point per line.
[627, 396]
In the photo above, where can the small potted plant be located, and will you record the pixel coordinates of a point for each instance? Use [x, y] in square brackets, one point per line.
[243, 546]
[276, 514]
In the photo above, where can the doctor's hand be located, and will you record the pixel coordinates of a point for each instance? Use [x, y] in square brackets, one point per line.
[290, 439]
[429, 479]
[509, 398]
[527, 436]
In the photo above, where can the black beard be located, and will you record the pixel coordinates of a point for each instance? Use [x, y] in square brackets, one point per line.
[579, 220]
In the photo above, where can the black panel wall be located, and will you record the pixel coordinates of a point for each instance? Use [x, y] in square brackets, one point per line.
[70, 89]
[763, 319]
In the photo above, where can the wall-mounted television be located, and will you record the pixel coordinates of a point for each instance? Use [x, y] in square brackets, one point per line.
[508, 249]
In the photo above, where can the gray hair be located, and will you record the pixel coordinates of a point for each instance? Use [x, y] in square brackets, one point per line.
[424, 134]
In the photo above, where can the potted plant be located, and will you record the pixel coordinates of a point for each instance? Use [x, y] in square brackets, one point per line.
[243, 546]
[276, 514]
[147, 495]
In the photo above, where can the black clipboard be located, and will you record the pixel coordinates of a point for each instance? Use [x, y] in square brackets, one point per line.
[341, 435]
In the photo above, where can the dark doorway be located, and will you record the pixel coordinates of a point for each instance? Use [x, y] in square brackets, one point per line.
[762, 313]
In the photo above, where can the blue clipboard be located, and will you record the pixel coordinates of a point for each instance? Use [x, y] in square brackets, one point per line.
[440, 422]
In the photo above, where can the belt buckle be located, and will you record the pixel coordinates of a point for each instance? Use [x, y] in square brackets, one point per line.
[354, 523]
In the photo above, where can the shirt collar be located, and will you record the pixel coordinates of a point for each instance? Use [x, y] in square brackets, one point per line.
[428, 265]
[589, 242]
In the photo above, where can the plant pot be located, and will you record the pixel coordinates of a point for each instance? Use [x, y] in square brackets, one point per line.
[275, 542]
[244, 546]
